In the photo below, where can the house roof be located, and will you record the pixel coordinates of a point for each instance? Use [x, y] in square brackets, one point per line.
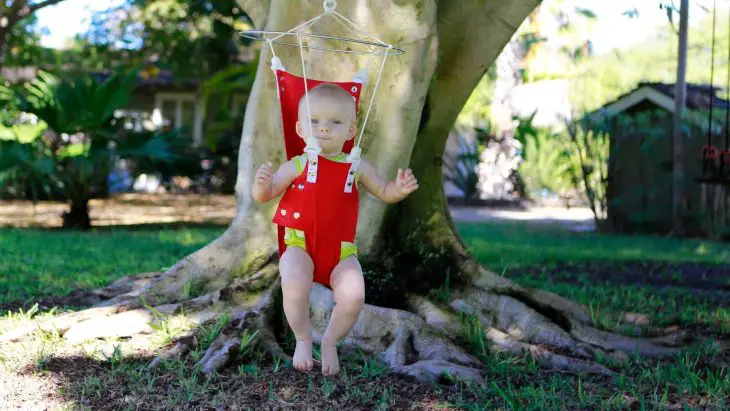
[699, 97]
[157, 79]
[147, 79]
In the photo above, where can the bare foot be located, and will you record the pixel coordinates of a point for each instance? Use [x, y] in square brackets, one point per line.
[330, 362]
[303, 356]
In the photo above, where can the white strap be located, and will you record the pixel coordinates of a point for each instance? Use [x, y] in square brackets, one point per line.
[312, 149]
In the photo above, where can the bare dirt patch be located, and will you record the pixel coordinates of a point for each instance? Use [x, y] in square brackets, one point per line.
[126, 209]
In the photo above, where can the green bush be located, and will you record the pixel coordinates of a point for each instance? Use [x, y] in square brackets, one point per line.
[573, 163]
[461, 167]
[83, 139]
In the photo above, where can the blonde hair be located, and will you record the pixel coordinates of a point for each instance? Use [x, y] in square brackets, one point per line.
[328, 90]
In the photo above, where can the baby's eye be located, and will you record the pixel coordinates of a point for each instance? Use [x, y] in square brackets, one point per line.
[337, 122]
[315, 121]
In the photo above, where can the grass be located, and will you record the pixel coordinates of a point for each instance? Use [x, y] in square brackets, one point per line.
[513, 248]
[41, 263]
[503, 245]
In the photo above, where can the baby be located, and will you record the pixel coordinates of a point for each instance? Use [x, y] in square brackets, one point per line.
[326, 255]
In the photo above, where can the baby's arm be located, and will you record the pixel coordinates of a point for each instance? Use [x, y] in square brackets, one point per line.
[391, 191]
[267, 186]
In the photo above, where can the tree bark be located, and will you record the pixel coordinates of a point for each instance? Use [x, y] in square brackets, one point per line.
[680, 95]
[78, 215]
[407, 249]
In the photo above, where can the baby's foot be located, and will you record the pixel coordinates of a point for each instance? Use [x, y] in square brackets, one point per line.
[330, 362]
[303, 356]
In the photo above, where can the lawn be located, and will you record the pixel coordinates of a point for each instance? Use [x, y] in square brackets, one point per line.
[676, 282]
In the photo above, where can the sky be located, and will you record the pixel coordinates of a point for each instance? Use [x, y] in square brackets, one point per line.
[613, 28]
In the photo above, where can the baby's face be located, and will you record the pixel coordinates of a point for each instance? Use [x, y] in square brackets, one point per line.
[332, 122]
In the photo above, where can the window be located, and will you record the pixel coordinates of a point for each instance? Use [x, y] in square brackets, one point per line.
[179, 110]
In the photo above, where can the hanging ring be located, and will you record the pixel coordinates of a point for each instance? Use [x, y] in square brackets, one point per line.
[329, 5]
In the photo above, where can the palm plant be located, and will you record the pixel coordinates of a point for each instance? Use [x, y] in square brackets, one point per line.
[84, 137]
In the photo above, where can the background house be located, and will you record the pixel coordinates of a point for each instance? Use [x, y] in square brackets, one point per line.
[160, 100]
[640, 163]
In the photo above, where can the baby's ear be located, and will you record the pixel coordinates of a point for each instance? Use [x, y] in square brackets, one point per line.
[300, 131]
[352, 131]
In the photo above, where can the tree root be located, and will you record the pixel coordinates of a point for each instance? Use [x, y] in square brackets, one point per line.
[403, 339]
[546, 358]
[555, 332]
[423, 342]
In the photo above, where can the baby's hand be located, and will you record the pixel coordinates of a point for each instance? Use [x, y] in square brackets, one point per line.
[264, 175]
[406, 182]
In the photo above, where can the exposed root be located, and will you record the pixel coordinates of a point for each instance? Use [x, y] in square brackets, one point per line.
[531, 312]
[219, 352]
[647, 347]
[125, 285]
[433, 370]
[448, 321]
[546, 358]
[124, 321]
[212, 266]
[423, 343]
[403, 339]
[551, 301]
[254, 318]
[181, 347]
[518, 320]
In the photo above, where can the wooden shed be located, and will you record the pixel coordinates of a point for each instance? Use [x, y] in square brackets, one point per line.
[639, 191]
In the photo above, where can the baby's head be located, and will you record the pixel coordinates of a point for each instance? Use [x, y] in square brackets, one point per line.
[332, 111]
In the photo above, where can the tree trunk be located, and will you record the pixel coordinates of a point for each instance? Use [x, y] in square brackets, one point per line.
[680, 95]
[78, 215]
[407, 249]
[4, 34]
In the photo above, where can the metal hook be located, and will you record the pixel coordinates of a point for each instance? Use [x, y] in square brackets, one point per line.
[329, 5]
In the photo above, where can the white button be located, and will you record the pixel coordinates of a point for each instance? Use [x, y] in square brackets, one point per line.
[297, 215]
[354, 89]
[283, 212]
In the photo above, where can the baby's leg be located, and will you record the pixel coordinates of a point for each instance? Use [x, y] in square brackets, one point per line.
[348, 287]
[296, 284]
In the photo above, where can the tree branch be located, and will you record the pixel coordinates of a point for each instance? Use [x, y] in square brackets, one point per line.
[35, 7]
[471, 34]
[257, 10]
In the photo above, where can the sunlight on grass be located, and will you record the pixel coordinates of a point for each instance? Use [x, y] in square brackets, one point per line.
[44, 263]
[40, 263]
[499, 245]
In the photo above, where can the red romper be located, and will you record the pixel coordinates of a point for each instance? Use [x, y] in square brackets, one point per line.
[323, 210]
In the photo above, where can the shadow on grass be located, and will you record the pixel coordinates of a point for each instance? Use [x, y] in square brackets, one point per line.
[112, 384]
[178, 225]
